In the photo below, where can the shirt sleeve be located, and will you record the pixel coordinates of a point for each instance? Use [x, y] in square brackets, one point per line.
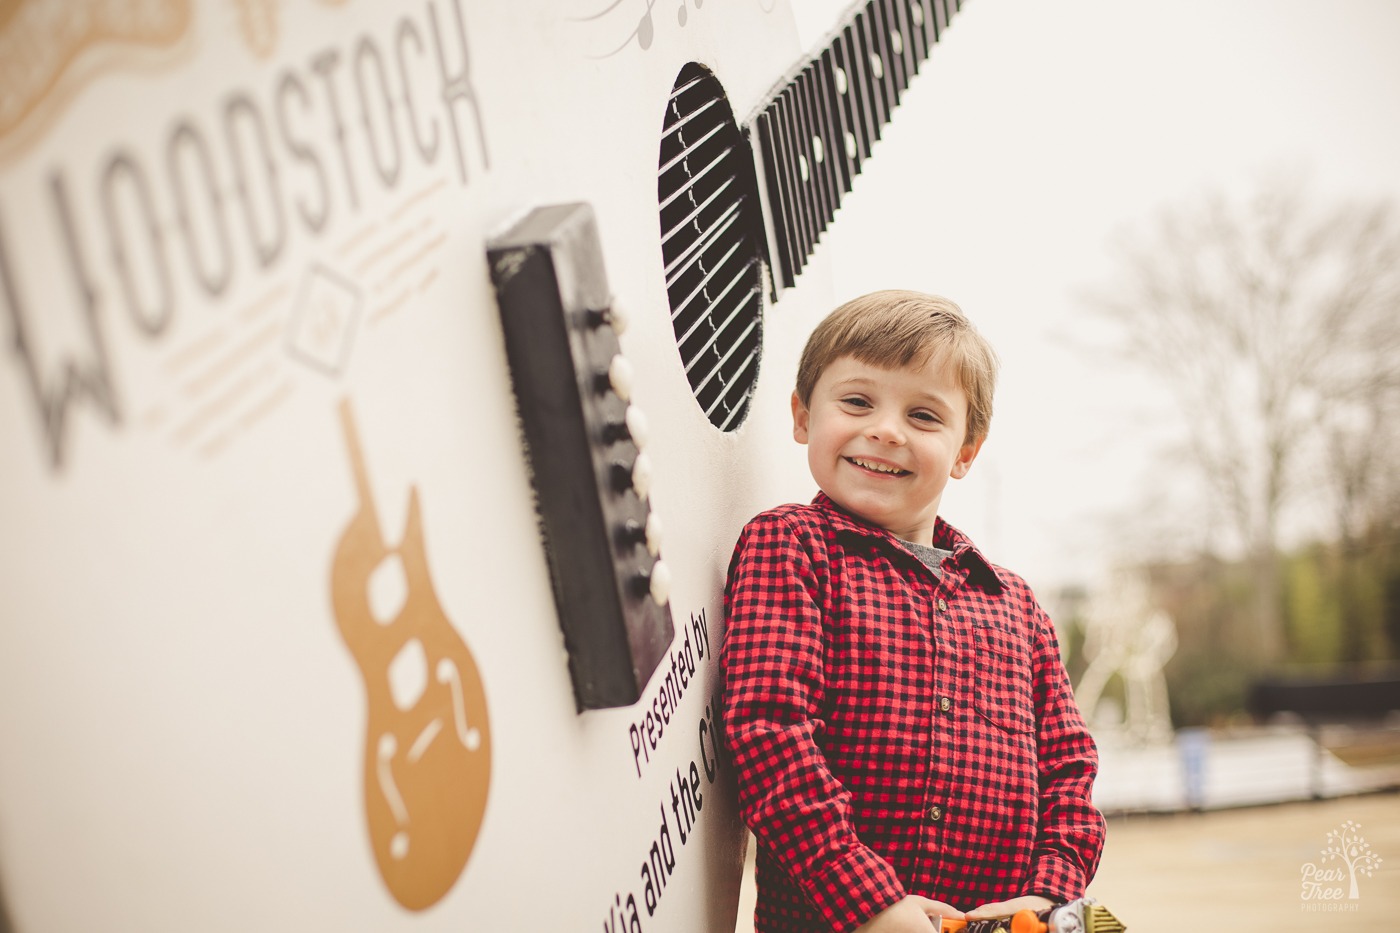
[773, 682]
[1070, 836]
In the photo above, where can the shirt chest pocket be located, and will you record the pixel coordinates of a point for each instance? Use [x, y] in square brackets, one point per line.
[1003, 694]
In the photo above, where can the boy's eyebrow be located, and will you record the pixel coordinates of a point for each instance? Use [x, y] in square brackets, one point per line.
[937, 401]
[860, 382]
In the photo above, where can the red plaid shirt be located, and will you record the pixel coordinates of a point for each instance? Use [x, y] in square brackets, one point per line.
[894, 732]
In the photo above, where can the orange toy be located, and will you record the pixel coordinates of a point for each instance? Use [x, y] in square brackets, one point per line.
[1082, 916]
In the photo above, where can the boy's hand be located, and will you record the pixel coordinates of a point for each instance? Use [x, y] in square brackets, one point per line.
[911, 915]
[1007, 908]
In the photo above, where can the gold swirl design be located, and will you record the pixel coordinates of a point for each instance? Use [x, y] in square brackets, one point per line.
[257, 21]
[51, 49]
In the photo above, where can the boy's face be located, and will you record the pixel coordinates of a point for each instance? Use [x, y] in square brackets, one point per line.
[882, 443]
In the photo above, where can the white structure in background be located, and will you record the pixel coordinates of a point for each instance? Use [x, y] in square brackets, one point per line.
[1126, 634]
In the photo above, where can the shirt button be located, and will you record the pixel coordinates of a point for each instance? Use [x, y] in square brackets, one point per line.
[935, 813]
[942, 605]
[945, 704]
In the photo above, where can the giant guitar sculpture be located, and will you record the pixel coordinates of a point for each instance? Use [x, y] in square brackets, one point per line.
[813, 134]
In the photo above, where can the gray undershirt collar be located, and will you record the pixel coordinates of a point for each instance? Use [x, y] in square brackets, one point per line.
[930, 556]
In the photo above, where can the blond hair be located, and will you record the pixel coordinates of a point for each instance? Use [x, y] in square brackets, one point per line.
[895, 328]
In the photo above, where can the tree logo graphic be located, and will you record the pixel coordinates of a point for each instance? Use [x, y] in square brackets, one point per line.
[1345, 859]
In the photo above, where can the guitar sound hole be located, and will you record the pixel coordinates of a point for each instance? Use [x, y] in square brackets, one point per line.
[711, 229]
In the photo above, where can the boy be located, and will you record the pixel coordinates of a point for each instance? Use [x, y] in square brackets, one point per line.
[905, 737]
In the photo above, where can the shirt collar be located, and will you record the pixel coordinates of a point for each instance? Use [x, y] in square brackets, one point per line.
[945, 536]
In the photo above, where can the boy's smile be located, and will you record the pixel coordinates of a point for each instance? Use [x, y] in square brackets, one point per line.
[882, 443]
[879, 466]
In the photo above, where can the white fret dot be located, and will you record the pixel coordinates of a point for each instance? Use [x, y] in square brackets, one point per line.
[897, 42]
[877, 67]
[851, 150]
[841, 85]
[817, 152]
[802, 167]
[916, 15]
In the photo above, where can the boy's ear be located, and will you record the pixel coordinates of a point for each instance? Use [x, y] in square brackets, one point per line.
[966, 454]
[800, 416]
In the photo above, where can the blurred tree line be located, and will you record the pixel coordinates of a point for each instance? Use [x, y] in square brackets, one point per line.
[1273, 323]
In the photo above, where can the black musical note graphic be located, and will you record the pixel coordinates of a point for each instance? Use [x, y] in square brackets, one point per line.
[643, 29]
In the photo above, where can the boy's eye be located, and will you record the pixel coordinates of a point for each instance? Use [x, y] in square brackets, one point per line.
[926, 417]
[856, 401]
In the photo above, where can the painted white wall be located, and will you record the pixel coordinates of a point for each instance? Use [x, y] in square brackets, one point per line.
[183, 727]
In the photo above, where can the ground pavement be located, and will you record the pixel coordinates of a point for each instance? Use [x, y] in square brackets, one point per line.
[1242, 870]
[1253, 869]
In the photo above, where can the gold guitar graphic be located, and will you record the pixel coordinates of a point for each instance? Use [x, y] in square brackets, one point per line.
[427, 755]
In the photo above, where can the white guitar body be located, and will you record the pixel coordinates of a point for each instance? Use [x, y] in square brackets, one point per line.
[280, 649]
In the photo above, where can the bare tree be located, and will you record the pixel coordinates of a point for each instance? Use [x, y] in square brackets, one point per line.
[1275, 326]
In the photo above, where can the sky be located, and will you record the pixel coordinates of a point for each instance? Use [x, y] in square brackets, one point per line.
[1038, 133]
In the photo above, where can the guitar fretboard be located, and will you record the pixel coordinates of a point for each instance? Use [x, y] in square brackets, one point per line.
[817, 131]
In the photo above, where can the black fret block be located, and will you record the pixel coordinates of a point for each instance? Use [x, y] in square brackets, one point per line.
[898, 16]
[841, 156]
[884, 39]
[785, 171]
[779, 200]
[921, 34]
[886, 70]
[872, 72]
[801, 189]
[816, 155]
[831, 146]
[788, 173]
[853, 99]
[801, 186]
[802, 140]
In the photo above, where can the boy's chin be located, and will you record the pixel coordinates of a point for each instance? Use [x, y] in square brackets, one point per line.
[896, 522]
[863, 512]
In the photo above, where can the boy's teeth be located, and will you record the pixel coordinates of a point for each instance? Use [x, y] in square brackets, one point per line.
[877, 467]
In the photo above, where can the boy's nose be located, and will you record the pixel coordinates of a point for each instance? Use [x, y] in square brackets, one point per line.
[887, 429]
